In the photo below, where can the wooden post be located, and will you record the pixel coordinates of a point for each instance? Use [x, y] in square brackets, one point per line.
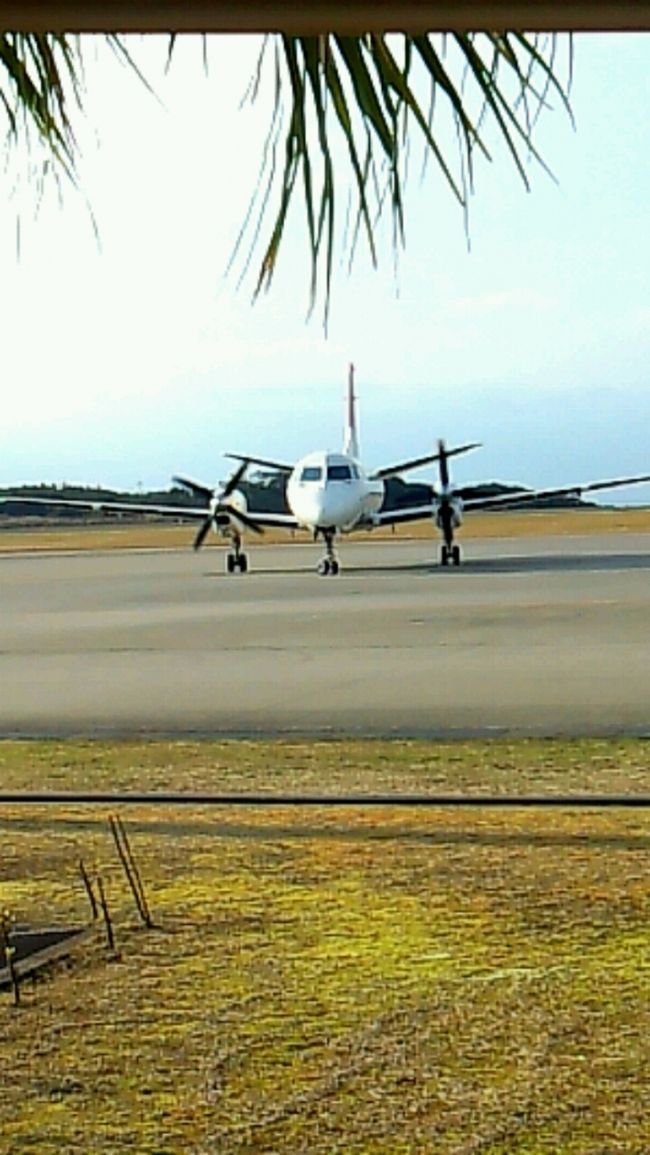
[107, 918]
[13, 973]
[130, 869]
[89, 889]
[8, 950]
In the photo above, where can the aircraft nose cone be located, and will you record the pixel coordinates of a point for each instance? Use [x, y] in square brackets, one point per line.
[333, 507]
[316, 508]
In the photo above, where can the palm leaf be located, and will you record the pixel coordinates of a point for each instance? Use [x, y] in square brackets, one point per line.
[359, 92]
[355, 89]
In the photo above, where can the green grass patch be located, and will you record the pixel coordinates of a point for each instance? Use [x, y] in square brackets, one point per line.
[383, 981]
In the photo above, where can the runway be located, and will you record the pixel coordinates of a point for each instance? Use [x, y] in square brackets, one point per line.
[530, 637]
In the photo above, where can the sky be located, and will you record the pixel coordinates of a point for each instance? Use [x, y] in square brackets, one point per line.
[130, 353]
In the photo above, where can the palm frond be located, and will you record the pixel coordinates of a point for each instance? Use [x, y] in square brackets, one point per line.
[42, 93]
[367, 93]
[339, 104]
[40, 79]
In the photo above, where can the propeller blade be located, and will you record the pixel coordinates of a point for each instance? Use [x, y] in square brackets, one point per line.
[203, 532]
[443, 465]
[243, 517]
[234, 479]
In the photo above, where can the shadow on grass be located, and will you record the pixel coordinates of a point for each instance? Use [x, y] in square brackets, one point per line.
[274, 832]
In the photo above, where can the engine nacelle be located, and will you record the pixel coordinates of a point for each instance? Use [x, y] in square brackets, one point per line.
[237, 500]
[222, 520]
[451, 508]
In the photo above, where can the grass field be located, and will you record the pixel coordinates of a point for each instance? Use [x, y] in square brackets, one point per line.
[113, 535]
[324, 981]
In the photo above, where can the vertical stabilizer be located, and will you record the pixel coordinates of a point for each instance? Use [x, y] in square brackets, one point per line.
[350, 439]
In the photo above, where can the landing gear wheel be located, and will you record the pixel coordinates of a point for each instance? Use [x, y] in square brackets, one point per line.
[455, 555]
[323, 567]
[444, 555]
[334, 567]
[236, 561]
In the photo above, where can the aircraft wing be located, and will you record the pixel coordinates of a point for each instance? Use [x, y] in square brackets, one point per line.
[187, 511]
[416, 462]
[406, 513]
[278, 466]
[191, 512]
[273, 520]
[503, 500]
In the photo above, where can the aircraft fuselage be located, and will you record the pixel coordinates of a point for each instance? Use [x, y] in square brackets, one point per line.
[332, 491]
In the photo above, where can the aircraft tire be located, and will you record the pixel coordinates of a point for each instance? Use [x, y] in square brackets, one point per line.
[334, 567]
[230, 563]
[455, 555]
[323, 567]
[444, 555]
[243, 563]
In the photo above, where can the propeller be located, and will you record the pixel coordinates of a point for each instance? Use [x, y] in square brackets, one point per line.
[203, 532]
[219, 506]
[445, 497]
[443, 465]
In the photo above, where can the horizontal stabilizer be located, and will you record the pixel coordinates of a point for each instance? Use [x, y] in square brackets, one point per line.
[195, 487]
[416, 462]
[278, 466]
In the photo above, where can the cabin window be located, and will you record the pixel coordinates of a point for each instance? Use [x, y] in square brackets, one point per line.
[339, 473]
[311, 473]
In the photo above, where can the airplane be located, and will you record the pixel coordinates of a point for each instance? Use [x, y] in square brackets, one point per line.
[329, 494]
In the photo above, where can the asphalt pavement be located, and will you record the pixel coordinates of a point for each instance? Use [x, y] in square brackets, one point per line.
[530, 636]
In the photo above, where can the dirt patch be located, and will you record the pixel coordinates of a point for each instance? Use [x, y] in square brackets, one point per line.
[477, 525]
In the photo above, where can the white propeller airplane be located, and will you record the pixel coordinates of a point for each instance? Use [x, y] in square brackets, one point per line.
[329, 494]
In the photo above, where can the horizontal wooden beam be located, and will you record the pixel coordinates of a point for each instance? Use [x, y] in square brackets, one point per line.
[316, 16]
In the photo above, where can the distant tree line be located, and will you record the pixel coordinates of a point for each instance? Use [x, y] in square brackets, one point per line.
[264, 492]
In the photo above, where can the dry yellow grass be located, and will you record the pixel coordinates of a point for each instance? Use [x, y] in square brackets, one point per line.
[478, 525]
[371, 983]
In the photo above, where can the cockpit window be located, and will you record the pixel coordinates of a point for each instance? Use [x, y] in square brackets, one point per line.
[339, 473]
[311, 473]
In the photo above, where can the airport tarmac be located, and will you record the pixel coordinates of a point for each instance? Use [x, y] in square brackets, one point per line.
[531, 636]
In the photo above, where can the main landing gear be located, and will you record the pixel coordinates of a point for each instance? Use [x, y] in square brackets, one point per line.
[328, 564]
[236, 559]
[450, 554]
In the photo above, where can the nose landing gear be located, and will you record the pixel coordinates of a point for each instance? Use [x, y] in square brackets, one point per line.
[450, 554]
[328, 564]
